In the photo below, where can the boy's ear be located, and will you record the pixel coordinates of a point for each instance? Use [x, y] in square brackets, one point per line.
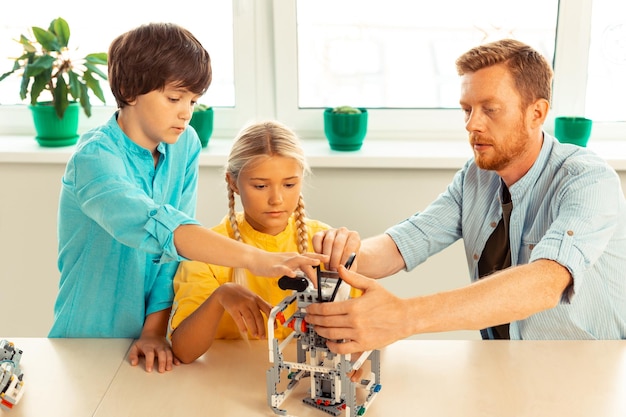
[232, 183]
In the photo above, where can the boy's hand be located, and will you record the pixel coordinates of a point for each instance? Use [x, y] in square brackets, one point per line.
[277, 264]
[152, 343]
[153, 347]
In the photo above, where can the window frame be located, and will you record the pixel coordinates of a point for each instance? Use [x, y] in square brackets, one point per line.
[571, 51]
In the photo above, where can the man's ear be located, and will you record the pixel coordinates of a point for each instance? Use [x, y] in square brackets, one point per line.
[232, 182]
[539, 112]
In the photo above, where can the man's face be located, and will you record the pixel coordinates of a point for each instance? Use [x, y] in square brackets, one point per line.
[497, 125]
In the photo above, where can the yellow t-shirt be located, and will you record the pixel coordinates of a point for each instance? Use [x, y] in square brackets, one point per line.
[195, 281]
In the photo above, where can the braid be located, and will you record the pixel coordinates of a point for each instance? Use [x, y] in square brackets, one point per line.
[232, 216]
[301, 229]
[239, 274]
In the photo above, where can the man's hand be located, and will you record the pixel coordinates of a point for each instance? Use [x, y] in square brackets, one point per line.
[371, 321]
[245, 307]
[338, 244]
[153, 347]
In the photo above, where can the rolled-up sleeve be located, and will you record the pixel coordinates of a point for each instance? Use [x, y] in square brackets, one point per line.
[160, 226]
[118, 201]
[586, 217]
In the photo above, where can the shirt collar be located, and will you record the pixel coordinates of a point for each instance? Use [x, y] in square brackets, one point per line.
[127, 143]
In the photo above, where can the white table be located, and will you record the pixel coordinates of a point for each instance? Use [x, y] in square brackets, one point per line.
[419, 378]
[434, 378]
[66, 377]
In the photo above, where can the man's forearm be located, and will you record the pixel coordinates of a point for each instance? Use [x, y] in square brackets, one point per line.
[506, 296]
[379, 257]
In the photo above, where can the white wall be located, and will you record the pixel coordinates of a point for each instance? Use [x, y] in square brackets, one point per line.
[367, 200]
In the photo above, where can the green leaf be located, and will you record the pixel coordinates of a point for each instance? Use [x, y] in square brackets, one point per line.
[16, 66]
[75, 85]
[24, 87]
[60, 97]
[346, 110]
[27, 44]
[61, 30]
[100, 58]
[201, 107]
[48, 40]
[94, 85]
[92, 68]
[84, 100]
[38, 66]
[39, 84]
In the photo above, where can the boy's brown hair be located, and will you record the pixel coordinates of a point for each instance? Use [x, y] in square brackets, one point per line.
[150, 56]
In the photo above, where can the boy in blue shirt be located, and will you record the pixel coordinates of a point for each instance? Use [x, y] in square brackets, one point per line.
[128, 199]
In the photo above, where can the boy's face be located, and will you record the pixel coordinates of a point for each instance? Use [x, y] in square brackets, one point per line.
[269, 190]
[158, 116]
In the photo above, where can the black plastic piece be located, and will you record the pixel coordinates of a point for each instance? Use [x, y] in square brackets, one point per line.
[298, 283]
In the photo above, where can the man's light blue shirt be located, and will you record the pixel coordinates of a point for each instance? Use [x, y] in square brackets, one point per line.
[117, 215]
[569, 208]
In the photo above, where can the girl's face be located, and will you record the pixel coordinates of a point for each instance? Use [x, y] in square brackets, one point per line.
[269, 188]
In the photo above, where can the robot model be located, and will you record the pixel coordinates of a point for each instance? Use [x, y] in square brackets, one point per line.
[11, 384]
[331, 387]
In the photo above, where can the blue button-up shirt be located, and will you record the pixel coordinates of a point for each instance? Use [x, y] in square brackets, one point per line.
[569, 207]
[117, 215]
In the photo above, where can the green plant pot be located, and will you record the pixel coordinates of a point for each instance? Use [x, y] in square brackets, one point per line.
[52, 131]
[574, 130]
[345, 132]
[202, 122]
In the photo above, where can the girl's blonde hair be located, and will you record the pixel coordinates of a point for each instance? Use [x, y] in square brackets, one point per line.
[268, 138]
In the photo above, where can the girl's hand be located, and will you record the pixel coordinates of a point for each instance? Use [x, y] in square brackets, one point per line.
[245, 307]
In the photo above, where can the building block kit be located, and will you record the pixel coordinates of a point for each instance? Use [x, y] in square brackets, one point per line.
[331, 389]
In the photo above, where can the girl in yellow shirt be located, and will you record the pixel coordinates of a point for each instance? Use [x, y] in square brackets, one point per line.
[265, 168]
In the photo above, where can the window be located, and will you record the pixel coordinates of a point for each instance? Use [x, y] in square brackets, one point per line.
[606, 85]
[93, 31]
[402, 55]
[397, 58]
[287, 59]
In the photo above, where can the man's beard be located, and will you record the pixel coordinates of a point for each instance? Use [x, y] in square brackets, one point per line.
[503, 153]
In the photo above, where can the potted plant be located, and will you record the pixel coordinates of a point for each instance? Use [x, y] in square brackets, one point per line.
[345, 127]
[47, 65]
[202, 122]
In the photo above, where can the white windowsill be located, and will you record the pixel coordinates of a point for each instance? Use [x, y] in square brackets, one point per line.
[375, 154]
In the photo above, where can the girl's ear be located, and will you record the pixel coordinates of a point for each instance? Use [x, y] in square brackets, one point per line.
[232, 182]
